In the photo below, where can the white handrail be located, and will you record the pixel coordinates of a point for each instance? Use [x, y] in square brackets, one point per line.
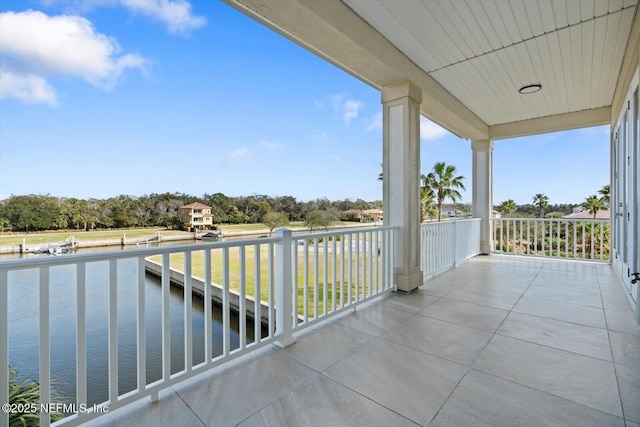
[356, 263]
[448, 243]
[578, 239]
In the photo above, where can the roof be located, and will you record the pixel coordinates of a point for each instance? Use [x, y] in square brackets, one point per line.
[469, 59]
[195, 205]
[601, 214]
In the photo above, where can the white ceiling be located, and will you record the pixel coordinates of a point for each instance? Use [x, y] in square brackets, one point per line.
[483, 51]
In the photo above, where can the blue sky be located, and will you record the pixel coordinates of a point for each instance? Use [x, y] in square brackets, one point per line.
[106, 97]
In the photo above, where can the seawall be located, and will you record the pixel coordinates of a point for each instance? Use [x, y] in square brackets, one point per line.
[176, 278]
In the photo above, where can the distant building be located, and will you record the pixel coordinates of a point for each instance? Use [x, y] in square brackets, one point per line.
[365, 215]
[196, 216]
[450, 211]
[585, 214]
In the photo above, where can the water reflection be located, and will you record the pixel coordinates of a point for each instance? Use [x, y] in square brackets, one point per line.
[24, 327]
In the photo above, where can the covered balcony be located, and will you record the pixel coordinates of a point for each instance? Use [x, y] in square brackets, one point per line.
[409, 324]
[499, 340]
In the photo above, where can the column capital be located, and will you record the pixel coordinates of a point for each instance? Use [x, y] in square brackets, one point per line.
[401, 89]
[482, 144]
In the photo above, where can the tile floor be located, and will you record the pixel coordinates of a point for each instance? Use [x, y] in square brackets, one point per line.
[498, 341]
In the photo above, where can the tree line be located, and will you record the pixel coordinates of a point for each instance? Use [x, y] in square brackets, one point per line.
[592, 204]
[45, 212]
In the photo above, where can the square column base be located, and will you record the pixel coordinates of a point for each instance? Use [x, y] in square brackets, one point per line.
[407, 282]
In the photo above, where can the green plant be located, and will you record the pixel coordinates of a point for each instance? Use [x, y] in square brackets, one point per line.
[26, 394]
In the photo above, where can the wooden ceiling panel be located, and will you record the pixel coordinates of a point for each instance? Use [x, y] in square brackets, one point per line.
[483, 51]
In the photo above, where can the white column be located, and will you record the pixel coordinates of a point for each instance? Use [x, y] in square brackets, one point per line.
[401, 177]
[483, 189]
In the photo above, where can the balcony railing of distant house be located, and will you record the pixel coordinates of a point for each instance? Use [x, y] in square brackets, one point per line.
[288, 282]
[575, 239]
[448, 243]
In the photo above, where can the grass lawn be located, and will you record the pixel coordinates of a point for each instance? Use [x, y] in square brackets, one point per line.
[197, 268]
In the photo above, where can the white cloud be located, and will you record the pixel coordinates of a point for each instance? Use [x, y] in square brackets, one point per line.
[29, 89]
[236, 155]
[430, 130]
[176, 14]
[375, 123]
[41, 46]
[351, 109]
[347, 108]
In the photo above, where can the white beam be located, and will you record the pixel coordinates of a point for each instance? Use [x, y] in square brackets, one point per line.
[559, 122]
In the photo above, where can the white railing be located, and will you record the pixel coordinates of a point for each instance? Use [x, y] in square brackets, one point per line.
[288, 281]
[448, 243]
[584, 239]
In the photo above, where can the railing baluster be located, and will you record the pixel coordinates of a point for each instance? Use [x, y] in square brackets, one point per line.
[257, 306]
[45, 345]
[294, 278]
[243, 299]
[271, 291]
[342, 261]
[226, 318]
[208, 339]
[369, 258]
[325, 276]
[357, 290]
[81, 334]
[113, 330]
[166, 321]
[593, 226]
[334, 272]
[349, 272]
[376, 245]
[4, 345]
[316, 278]
[141, 346]
[305, 289]
[188, 310]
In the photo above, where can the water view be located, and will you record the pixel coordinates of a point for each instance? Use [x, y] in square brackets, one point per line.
[24, 328]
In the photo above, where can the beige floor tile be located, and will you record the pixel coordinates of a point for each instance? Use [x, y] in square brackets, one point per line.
[583, 379]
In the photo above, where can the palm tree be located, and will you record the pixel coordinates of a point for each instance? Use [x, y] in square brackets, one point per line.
[604, 194]
[593, 204]
[507, 207]
[541, 201]
[443, 184]
[427, 202]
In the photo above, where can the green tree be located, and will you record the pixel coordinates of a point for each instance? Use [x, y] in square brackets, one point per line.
[604, 194]
[541, 201]
[320, 219]
[274, 220]
[31, 212]
[507, 207]
[444, 184]
[428, 206]
[593, 204]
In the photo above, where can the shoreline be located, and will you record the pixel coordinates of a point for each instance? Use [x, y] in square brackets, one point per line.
[157, 237]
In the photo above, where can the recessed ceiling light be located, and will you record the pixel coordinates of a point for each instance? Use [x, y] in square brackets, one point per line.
[526, 90]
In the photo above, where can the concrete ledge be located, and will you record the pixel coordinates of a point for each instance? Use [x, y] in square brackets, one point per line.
[176, 278]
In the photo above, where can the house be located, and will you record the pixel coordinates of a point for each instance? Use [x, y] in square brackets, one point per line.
[196, 216]
[450, 211]
[603, 214]
[365, 215]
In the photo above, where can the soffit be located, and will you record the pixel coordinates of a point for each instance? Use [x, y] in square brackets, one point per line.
[483, 51]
